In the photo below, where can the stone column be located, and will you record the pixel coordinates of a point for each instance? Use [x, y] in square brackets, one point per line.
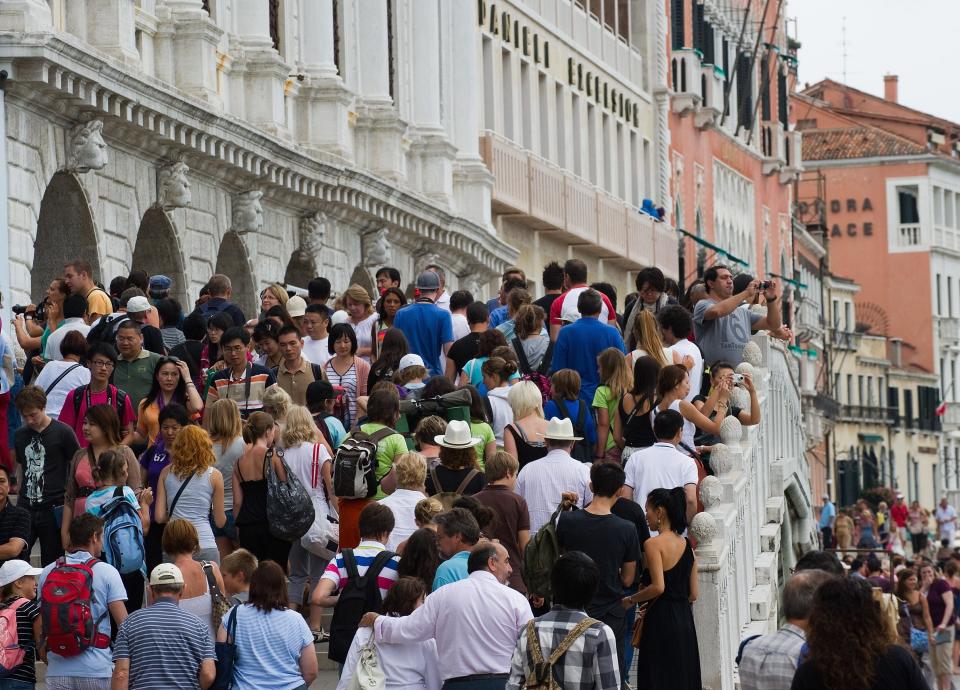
[111, 27]
[473, 183]
[324, 102]
[25, 16]
[259, 73]
[192, 55]
[379, 130]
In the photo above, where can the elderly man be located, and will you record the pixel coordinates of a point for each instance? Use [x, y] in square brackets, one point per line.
[134, 369]
[769, 662]
[476, 623]
[188, 657]
[544, 482]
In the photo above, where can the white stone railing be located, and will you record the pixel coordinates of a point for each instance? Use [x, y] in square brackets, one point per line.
[757, 515]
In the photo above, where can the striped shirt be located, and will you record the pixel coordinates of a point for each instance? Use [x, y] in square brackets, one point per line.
[26, 614]
[365, 553]
[184, 639]
[224, 385]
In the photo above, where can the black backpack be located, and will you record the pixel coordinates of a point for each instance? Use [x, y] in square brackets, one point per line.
[106, 329]
[119, 402]
[359, 596]
[355, 464]
[581, 449]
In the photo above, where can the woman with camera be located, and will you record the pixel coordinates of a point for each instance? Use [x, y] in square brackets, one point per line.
[33, 323]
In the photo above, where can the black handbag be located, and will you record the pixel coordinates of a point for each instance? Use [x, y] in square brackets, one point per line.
[226, 655]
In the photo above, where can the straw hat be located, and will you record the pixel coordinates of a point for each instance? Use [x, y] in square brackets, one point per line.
[560, 430]
[457, 436]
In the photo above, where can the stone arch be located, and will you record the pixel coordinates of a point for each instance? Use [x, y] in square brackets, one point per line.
[65, 231]
[157, 251]
[233, 261]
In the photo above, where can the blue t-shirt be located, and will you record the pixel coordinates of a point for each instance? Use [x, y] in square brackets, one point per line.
[101, 497]
[498, 316]
[107, 588]
[337, 432]
[577, 348]
[827, 513]
[451, 570]
[427, 328]
[552, 409]
[268, 648]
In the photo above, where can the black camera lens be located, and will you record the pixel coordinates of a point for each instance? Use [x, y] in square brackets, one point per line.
[19, 309]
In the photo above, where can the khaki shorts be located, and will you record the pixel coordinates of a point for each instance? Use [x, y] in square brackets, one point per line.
[942, 659]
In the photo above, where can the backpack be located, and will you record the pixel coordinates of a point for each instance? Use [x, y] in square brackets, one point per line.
[11, 653]
[106, 329]
[66, 607]
[447, 498]
[359, 596]
[581, 449]
[119, 403]
[537, 377]
[123, 545]
[541, 553]
[541, 670]
[355, 464]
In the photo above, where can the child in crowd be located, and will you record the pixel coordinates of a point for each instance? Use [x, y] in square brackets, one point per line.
[237, 569]
[410, 375]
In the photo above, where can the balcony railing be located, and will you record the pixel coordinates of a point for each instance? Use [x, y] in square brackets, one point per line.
[711, 96]
[550, 198]
[867, 413]
[757, 517]
[685, 75]
[793, 156]
[845, 340]
[948, 328]
[909, 235]
[772, 146]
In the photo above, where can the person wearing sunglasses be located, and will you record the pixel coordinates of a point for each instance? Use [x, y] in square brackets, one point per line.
[171, 384]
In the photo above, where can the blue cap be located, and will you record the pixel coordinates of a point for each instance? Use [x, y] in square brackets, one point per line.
[160, 283]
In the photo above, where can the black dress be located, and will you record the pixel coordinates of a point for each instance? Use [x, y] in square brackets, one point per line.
[253, 530]
[668, 657]
[526, 452]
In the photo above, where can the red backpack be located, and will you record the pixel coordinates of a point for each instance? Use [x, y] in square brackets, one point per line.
[66, 607]
[538, 377]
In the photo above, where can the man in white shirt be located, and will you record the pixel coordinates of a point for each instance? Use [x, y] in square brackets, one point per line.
[74, 307]
[543, 482]
[662, 466]
[315, 323]
[459, 301]
[476, 623]
[675, 325]
[946, 516]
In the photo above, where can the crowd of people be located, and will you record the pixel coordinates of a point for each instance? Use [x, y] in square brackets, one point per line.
[499, 489]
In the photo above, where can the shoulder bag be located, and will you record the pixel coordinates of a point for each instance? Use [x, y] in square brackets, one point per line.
[219, 605]
[226, 655]
[368, 675]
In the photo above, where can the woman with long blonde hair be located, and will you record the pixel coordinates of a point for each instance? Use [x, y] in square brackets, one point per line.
[273, 295]
[616, 379]
[191, 488]
[357, 303]
[223, 423]
[645, 340]
[276, 403]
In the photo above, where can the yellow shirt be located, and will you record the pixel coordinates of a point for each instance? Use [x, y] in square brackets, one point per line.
[98, 302]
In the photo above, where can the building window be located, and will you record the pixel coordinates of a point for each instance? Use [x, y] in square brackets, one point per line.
[623, 19]
[506, 79]
[391, 52]
[490, 94]
[744, 91]
[765, 106]
[893, 402]
[206, 6]
[850, 389]
[908, 408]
[949, 296]
[336, 37]
[544, 99]
[939, 297]
[782, 99]
[676, 24]
[610, 14]
[526, 111]
[848, 317]
[697, 21]
[592, 159]
[596, 8]
[576, 120]
[907, 201]
[275, 23]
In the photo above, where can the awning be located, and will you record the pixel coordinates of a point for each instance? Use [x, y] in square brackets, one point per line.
[713, 247]
[871, 438]
[791, 281]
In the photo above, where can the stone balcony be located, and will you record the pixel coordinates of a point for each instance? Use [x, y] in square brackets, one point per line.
[757, 517]
[551, 199]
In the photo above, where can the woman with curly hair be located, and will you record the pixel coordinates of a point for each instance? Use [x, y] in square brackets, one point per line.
[851, 647]
[191, 488]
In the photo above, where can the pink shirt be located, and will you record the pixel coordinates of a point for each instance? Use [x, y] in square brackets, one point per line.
[476, 623]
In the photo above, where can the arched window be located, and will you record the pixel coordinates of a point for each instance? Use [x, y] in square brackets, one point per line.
[275, 23]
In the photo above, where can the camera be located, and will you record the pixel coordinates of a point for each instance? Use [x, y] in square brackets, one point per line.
[764, 285]
[737, 379]
[19, 309]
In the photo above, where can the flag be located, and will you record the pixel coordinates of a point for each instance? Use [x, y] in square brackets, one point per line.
[941, 409]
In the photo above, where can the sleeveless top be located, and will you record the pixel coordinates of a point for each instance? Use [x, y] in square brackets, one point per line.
[227, 456]
[201, 606]
[253, 510]
[526, 452]
[638, 433]
[194, 503]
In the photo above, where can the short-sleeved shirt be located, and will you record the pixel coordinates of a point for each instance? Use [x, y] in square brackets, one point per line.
[661, 466]
[45, 458]
[26, 615]
[610, 541]
[483, 431]
[568, 301]
[827, 514]
[603, 398]
[15, 524]
[224, 385]
[365, 553]
[98, 302]
[935, 600]
[136, 377]
[723, 339]
[101, 497]
[463, 350]
[268, 648]
[73, 417]
[512, 517]
[70, 375]
[451, 570]
[107, 588]
[184, 639]
[389, 448]
[427, 328]
[295, 381]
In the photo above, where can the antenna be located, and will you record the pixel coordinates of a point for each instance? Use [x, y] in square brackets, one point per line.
[843, 42]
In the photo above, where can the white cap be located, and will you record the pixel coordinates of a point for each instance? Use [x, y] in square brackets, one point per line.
[296, 306]
[11, 571]
[166, 574]
[411, 360]
[339, 316]
[137, 304]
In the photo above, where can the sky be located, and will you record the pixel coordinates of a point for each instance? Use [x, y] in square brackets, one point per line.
[914, 39]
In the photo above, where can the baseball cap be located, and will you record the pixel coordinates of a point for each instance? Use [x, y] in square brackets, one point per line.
[318, 391]
[11, 571]
[339, 316]
[160, 283]
[296, 306]
[166, 574]
[411, 360]
[428, 280]
[138, 304]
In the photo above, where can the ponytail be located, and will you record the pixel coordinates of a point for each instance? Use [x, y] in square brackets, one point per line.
[674, 503]
[499, 368]
[108, 466]
[256, 426]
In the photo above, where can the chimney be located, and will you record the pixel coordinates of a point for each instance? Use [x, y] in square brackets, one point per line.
[896, 352]
[890, 87]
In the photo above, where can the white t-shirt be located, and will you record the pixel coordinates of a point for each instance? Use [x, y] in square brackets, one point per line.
[460, 326]
[78, 376]
[947, 529]
[661, 466]
[299, 459]
[315, 351]
[685, 347]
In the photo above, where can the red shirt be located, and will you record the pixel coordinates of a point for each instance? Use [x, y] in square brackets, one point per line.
[75, 420]
[607, 314]
[899, 513]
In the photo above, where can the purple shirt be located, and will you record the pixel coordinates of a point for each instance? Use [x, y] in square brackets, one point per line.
[935, 599]
[153, 460]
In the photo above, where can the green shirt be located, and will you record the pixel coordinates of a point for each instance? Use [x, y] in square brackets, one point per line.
[135, 378]
[389, 448]
[484, 431]
[604, 398]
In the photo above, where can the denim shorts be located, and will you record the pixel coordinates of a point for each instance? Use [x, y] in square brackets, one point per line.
[229, 529]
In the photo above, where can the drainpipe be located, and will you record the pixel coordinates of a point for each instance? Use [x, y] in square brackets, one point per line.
[4, 227]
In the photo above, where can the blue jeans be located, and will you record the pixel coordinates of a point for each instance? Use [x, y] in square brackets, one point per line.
[8, 684]
[486, 682]
[631, 618]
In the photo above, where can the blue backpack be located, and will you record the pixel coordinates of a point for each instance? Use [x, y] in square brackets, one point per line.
[123, 545]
